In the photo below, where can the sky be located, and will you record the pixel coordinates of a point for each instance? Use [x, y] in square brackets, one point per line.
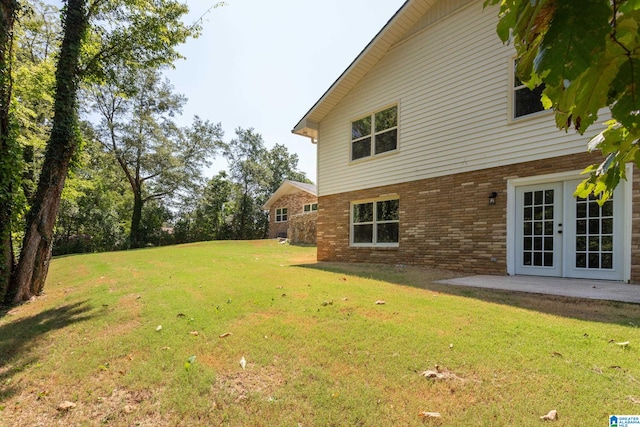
[262, 64]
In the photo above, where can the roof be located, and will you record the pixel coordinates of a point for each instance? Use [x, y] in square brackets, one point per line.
[289, 187]
[393, 31]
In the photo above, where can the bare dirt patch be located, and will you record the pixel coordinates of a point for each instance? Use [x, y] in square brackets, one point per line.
[254, 380]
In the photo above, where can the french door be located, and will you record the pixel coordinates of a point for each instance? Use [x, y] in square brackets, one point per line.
[560, 235]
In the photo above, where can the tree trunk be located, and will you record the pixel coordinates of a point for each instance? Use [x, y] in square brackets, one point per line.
[8, 149]
[33, 265]
[134, 237]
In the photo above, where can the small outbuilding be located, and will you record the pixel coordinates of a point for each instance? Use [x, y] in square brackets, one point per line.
[293, 212]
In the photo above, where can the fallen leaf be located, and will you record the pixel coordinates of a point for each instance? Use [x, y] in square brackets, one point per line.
[380, 302]
[194, 333]
[180, 315]
[158, 328]
[128, 409]
[634, 400]
[243, 362]
[556, 354]
[426, 414]
[623, 344]
[66, 405]
[326, 303]
[226, 334]
[551, 416]
[165, 348]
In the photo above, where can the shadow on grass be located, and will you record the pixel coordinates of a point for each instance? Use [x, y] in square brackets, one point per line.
[18, 340]
[625, 314]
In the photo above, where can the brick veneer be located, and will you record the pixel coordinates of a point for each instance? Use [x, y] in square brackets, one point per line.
[447, 222]
[294, 204]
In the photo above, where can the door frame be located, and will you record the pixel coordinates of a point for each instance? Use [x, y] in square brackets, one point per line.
[625, 186]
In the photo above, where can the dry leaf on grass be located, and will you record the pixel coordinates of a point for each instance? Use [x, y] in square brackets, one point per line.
[551, 416]
[194, 333]
[243, 362]
[380, 302]
[226, 334]
[426, 414]
[66, 405]
[159, 328]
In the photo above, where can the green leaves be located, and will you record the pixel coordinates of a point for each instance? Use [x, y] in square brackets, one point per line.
[576, 34]
[587, 54]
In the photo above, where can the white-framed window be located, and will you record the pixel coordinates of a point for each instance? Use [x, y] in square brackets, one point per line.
[375, 133]
[281, 215]
[310, 207]
[524, 101]
[375, 222]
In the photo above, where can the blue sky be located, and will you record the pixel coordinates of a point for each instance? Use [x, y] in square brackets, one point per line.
[264, 63]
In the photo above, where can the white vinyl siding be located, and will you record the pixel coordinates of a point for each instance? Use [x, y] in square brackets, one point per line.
[451, 82]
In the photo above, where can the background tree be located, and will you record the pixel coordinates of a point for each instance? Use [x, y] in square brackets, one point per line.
[587, 54]
[95, 204]
[207, 220]
[96, 33]
[247, 157]
[158, 158]
[282, 166]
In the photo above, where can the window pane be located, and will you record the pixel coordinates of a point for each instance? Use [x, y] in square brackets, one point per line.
[527, 101]
[361, 128]
[363, 213]
[386, 141]
[361, 148]
[388, 233]
[581, 260]
[387, 210]
[387, 119]
[363, 233]
[314, 207]
[307, 208]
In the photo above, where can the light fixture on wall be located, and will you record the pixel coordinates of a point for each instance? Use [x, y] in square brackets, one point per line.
[492, 198]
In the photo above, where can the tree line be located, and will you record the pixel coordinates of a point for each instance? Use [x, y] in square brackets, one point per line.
[92, 157]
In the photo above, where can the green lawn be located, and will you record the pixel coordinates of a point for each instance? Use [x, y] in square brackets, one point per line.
[138, 339]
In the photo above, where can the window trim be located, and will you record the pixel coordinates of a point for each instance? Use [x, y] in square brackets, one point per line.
[373, 244]
[281, 215]
[511, 113]
[310, 205]
[373, 134]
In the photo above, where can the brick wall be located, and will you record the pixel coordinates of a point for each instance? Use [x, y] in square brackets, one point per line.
[447, 222]
[294, 204]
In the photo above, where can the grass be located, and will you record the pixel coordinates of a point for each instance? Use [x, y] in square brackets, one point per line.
[318, 350]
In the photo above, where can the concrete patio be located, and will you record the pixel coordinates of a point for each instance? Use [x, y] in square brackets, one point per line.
[579, 288]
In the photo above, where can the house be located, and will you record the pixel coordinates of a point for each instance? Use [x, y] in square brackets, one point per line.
[293, 211]
[431, 152]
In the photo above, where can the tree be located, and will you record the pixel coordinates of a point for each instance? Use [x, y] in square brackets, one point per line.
[158, 158]
[587, 55]
[207, 220]
[250, 173]
[96, 33]
[9, 170]
[283, 166]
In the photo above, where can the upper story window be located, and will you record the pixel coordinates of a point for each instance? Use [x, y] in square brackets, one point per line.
[375, 133]
[281, 215]
[310, 207]
[525, 100]
[375, 223]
